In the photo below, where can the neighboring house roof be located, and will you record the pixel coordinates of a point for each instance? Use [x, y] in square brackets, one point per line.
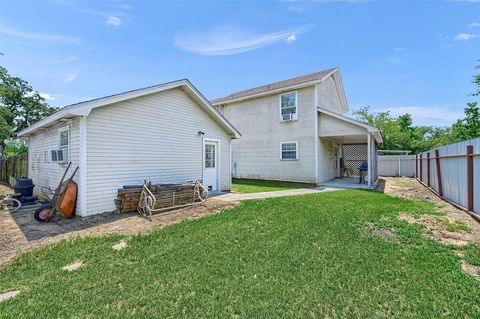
[293, 83]
[84, 108]
[371, 129]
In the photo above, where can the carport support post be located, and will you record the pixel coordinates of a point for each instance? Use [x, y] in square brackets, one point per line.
[369, 160]
[470, 178]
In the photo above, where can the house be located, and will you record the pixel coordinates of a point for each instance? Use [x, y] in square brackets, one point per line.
[296, 130]
[167, 133]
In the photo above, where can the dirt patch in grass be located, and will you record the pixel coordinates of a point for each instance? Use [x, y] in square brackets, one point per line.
[19, 232]
[470, 269]
[451, 226]
[73, 266]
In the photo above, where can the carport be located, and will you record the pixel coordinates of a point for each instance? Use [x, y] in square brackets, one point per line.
[355, 143]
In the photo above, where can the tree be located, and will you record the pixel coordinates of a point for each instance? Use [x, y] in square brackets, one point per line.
[468, 127]
[400, 133]
[20, 105]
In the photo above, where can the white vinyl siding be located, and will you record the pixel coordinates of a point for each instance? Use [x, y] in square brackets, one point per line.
[41, 168]
[328, 96]
[154, 138]
[256, 154]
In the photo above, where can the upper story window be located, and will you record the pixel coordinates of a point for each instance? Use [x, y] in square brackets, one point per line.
[289, 151]
[288, 106]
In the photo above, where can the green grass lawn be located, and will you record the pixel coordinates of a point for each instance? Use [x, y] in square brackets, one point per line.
[317, 255]
[245, 186]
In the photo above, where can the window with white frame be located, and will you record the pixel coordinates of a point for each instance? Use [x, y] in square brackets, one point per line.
[63, 144]
[289, 151]
[288, 106]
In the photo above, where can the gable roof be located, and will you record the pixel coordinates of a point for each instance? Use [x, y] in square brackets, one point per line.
[371, 129]
[296, 82]
[84, 108]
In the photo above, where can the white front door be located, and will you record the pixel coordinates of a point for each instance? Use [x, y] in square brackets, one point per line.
[210, 165]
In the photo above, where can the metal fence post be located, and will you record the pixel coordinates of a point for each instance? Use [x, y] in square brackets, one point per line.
[416, 165]
[428, 169]
[421, 167]
[470, 177]
[439, 173]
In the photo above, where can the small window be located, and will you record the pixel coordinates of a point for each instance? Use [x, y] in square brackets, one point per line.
[289, 151]
[209, 156]
[63, 144]
[288, 106]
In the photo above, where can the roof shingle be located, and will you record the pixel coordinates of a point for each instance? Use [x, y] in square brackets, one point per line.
[275, 86]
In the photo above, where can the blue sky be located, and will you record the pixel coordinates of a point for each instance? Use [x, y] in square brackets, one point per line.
[404, 56]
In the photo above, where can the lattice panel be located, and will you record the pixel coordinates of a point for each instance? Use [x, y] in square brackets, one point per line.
[353, 156]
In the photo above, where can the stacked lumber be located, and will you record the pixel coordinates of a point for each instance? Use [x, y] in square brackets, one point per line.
[166, 195]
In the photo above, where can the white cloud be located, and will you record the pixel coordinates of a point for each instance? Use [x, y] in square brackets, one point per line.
[229, 41]
[113, 21]
[47, 96]
[394, 60]
[399, 49]
[70, 78]
[464, 37]
[39, 36]
[291, 38]
[124, 6]
[474, 25]
[425, 115]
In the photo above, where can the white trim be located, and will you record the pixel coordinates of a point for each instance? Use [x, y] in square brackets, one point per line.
[218, 159]
[82, 166]
[296, 148]
[317, 138]
[84, 108]
[371, 129]
[369, 159]
[230, 165]
[280, 106]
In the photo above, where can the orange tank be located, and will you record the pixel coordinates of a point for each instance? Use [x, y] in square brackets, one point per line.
[69, 200]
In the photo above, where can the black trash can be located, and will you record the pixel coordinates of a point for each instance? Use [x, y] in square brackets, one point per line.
[24, 186]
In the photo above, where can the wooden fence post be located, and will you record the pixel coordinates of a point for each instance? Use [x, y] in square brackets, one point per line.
[428, 169]
[470, 178]
[421, 167]
[439, 173]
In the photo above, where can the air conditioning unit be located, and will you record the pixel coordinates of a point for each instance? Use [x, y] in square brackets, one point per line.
[59, 156]
[289, 117]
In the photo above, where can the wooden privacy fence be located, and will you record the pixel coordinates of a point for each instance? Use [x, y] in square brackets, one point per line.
[15, 166]
[453, 173]
[396, 165]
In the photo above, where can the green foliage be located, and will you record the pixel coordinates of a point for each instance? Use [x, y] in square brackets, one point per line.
[400, 133]
[20, 105]
[15, 147]
[245, 186]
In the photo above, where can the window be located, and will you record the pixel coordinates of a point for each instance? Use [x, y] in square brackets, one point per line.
[288, 106]
[209, 156]
[289, 151]
[63, 143]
